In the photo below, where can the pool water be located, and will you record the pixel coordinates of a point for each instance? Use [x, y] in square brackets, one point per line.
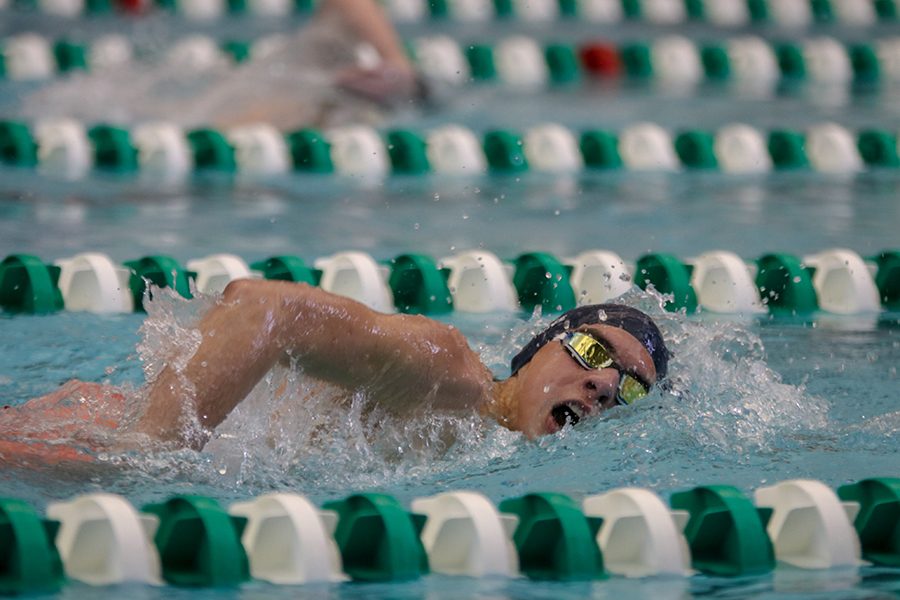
[754, 401]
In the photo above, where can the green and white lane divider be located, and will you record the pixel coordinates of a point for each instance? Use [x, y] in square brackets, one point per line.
[832, 282]
[521, 61]
[283, 538]
[719, 13]
[165, 152]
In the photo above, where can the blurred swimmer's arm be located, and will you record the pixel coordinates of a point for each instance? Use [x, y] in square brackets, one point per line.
[370, 23]
[394, 79]
[261, 323]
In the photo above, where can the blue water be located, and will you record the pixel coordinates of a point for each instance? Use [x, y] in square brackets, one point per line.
[754, 401]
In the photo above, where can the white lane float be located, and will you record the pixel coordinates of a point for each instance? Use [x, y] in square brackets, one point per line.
[270, 8]
[724, 284]
[109, 51]
[856, 13]
[465, 535]
[520, 62]
[827, 61]
[64, 149]
[472, 10]
[441, 59]
[196, 53]
[455, 150]
[216, 271]
[163, 151]
[259, 150]
[92, 282]
[536, 11]
[726, 13]
[553, 148]
[61, 8]
[640, 535]
[810, 527]
[407, 11]
[598, 276]
[28, 57]
[843, 282]
[647, 147]
[103, 540]
[358, 150]
[676, 62]
[664, 12]
[289, 540]
[356, 275]
[740, 148]
[479, 282]
[791, 13]
[831, 148]
[888, 52]
[753, 63]
[600, 11]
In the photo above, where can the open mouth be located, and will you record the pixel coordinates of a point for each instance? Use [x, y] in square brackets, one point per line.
[570, 413]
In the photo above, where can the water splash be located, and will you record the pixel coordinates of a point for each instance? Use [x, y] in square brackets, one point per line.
[722, 406]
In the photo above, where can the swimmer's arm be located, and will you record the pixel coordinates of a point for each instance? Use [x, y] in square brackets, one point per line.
[368, 20]
[261, 323]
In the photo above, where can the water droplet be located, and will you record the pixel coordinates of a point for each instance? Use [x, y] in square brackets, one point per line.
[416, 226]
[546, 389]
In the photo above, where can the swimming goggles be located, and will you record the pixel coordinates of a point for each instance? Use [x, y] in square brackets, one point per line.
[591, 354]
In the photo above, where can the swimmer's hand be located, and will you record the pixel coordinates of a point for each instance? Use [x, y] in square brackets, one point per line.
[387, 84]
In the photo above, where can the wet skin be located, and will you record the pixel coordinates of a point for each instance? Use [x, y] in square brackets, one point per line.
[553, 379]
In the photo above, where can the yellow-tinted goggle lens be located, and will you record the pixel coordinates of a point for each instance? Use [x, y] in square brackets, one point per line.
[592, 353]
[630, 390]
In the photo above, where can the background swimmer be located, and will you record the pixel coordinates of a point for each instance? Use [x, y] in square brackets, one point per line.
[407, 365]
[314, 77]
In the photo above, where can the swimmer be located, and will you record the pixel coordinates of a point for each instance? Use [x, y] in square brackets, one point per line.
[587, 361]
[311, 78]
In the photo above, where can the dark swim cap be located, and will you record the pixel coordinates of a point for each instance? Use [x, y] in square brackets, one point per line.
[624, 317]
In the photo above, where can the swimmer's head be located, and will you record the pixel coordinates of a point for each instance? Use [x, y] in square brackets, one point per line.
[588, 360]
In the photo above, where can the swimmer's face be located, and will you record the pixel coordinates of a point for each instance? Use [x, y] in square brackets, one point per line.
[553, 386]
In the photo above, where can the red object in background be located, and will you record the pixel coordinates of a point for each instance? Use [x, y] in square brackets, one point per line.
[601, 59]
[133, 6]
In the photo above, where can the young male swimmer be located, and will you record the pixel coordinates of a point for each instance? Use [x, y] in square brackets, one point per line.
[588, 360]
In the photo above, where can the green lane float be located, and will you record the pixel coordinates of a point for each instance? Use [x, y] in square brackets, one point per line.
[554, 539]
[878, 148]
[162, 271]
[287, 268]
[113, 150]
[695, 150]
[199, 543]
[787, 150]
[407, 151]
[505, 152]
[27, 285]
[540, 279]
[378, 539]
[211, 150]
[887, 279]
[418, 286]
[310, 151]
[669, 276]
[29, 560]
[878, 521]
[17, 145]
[726, 533]
[600, 149]
[785, 284]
